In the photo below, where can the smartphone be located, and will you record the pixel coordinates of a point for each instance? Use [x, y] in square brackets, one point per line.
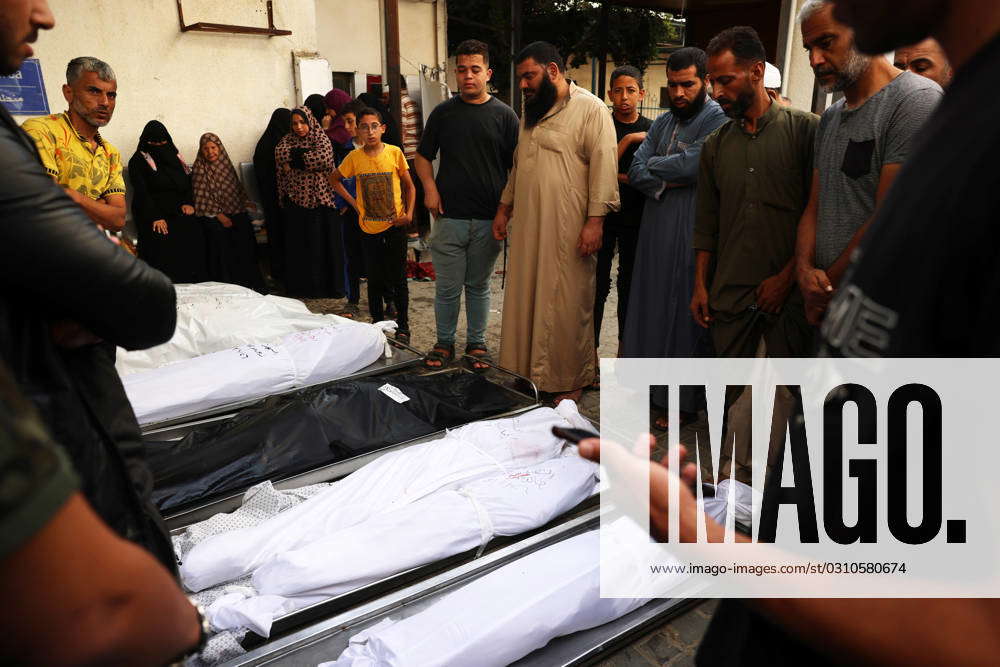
[573, 435]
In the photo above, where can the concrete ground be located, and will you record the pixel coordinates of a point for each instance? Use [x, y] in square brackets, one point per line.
[672, 644]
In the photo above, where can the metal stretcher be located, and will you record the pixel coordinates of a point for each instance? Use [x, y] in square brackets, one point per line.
[328, 626]
[321, 632]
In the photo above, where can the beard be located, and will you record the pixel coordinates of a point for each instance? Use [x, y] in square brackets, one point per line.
[857, 64]
[739, 106]
[91, 116]
[692, 108]
[540, 102]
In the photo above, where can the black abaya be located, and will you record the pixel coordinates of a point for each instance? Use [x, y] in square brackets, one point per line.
[232, 252]
[314, 250]
[267, 186]
[159, 195]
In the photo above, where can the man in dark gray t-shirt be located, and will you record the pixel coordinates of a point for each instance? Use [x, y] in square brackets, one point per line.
[853, 145]
[861, 142]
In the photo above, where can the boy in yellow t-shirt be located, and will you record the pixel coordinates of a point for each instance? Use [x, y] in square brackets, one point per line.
[382, 177]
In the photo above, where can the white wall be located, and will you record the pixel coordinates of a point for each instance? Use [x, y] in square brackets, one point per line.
[798, 77]
[193, 82]
[418, 43]
[350, 36]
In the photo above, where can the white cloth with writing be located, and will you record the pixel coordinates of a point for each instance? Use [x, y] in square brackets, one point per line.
[392, 481]
[212, 317]
[254, 370]
[445, 523]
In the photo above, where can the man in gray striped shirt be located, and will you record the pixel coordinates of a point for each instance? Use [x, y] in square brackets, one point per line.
[861, 144]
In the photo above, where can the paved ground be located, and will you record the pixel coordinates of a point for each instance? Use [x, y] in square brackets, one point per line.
[674, 643]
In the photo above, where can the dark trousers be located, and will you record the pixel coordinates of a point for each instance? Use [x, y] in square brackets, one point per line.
[626, 239]
[354, 255]
[385, 257]
[232, 252]
[314, 252]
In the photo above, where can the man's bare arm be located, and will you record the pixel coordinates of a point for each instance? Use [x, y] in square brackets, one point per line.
[86, 596]
[501, 220]
[851, 631]
[591, 236]
[108, 212]
[411, 191]
[432, 198]
[699, 299]
[628, 140]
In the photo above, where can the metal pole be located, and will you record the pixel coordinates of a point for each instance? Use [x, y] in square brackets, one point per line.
[602, 66]
[515, 47]
[392, 61]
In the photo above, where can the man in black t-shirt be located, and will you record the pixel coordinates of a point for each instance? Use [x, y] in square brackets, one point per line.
[925, 282]
[621, 228]
[476, 135]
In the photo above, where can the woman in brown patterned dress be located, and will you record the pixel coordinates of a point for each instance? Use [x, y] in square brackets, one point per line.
[222, 203]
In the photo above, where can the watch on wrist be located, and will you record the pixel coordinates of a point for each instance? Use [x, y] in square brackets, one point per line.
[204, 629]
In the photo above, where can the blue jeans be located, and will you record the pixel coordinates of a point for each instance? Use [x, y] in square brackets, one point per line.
[464, 253]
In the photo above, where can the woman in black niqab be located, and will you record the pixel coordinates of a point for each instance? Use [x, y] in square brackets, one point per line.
[267, 185]
[170, 238]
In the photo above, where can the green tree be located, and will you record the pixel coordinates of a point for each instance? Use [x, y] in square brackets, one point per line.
[573, 26]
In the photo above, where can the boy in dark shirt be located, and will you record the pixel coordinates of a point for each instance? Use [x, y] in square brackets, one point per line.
[621, 229]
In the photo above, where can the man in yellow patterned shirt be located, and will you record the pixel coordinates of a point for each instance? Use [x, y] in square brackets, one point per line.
[87, 166]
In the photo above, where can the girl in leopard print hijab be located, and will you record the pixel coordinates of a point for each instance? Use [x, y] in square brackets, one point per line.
[314, 255]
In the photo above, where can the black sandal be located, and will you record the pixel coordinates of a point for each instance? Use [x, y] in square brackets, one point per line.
[441, 353]
[403, 337]
[483, 358]
[686, 418]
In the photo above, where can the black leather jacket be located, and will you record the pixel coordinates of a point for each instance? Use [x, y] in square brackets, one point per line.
[57, 265]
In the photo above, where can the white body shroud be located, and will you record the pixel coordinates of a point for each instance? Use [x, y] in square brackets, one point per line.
[279, 345]
[212, 317]
[442, 524]
[391, 482]
[508, 613]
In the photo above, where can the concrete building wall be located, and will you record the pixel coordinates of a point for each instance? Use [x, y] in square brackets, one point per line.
[422, 34]
[193, 82]
[350, 36]
[798, 77]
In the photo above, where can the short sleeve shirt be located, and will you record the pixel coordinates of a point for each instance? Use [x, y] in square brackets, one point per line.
[379, 196]
[925, 281]
[67, 156]
[852, 146]
[476, 143]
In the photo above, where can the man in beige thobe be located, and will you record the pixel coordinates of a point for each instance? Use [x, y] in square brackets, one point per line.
[564, 181]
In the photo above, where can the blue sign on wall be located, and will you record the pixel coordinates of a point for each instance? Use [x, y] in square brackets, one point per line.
[24, 91]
